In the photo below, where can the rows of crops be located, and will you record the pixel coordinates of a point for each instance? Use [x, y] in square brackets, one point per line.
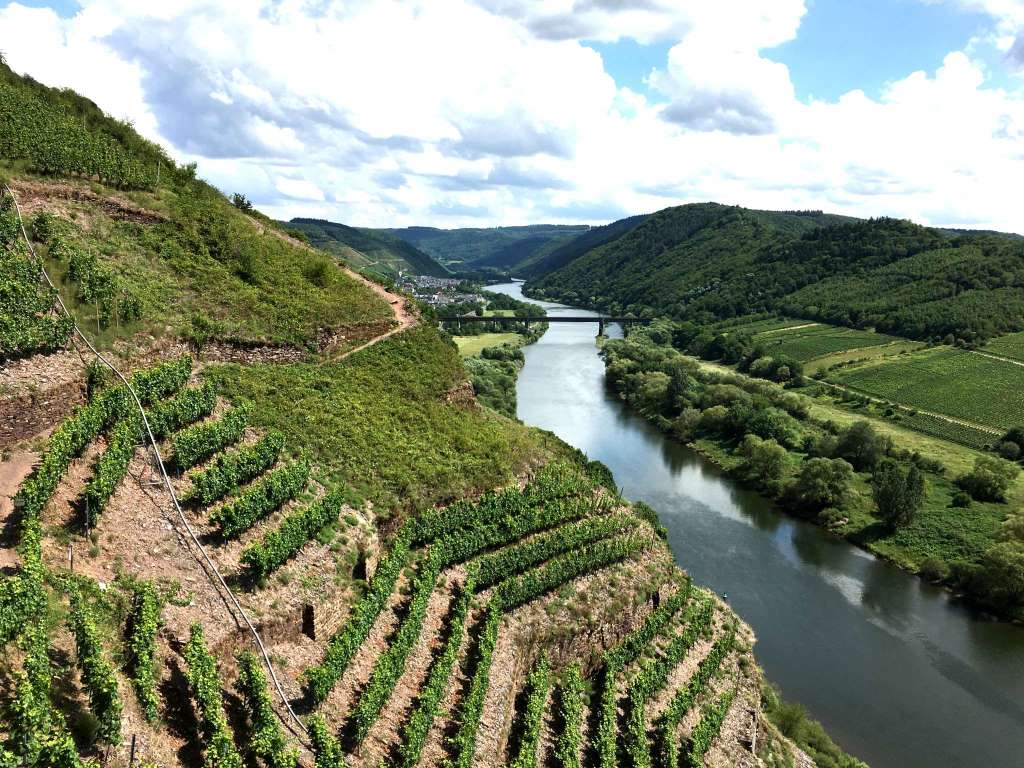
[953, 382]
[807, 343]
[1011, 345]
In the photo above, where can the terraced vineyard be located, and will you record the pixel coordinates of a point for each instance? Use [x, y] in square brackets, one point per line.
[431, 659]
[948, 381]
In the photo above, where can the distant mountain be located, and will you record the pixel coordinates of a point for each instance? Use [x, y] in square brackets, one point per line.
[499, 248]
[709, 261]
[374, 249]
[564, 253]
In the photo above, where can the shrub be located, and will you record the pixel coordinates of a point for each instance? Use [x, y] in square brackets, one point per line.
[266, 740]
[230, 470]
[142, 627]
[98, 676]
[568, 742]
[262, 498]
[205, 685]
[197, 444]
[989, 479]
[325, 746]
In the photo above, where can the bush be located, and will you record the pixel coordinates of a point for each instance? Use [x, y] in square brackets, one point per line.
[197, 444]
[230, 470]
[142, 627]
[821, 483]
[261, 499]
[205, 686]
[98, 676]
[538, 684]
[990, 478]
[862, 446]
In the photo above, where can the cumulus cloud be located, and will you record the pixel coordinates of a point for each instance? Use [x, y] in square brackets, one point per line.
[469, 112]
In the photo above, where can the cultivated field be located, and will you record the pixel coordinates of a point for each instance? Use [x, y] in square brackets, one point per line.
[474, 345]
[1011, 345]
[954, 382]
[812, 341]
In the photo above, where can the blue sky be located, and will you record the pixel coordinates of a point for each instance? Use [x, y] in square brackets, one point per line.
[483, 112]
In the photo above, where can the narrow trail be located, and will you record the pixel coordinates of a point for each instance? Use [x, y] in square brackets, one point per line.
[1000, 358]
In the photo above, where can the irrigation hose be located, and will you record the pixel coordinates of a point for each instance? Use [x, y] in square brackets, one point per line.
[163, 471]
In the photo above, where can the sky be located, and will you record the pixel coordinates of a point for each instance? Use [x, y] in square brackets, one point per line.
[495, 112]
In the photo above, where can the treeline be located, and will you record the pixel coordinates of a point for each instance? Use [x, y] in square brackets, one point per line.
[706, 263]
[851, 478]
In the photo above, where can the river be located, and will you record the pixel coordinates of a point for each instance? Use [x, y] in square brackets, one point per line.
[900, 674]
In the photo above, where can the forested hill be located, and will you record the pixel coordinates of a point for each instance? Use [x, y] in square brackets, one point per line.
[499, 249]
[376, 250]
[558, 257]
[707, 261]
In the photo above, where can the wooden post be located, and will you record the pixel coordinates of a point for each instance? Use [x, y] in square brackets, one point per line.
[131, 758]
[71, 556]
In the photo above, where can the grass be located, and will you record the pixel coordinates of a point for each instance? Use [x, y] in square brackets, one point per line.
[1011, 345]
[949, 381]
[378, 421]
[474, 345]
[860, 355]
[209, 270]
[818, 340]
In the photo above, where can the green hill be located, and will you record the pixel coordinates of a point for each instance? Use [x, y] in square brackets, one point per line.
[498, 248]
[557, 257]
[372, 249]
[709, 262]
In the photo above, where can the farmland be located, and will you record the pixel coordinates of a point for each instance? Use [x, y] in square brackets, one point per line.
[1011, 345]
[474, 345]
[948, 381]
[812, 341]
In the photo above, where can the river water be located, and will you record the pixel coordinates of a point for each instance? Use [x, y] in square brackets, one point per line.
[899, 674]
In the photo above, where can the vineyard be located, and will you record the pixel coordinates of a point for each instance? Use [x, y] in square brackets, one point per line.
[805, 342]
[952, 382]
[1010, 345]
[431, 651]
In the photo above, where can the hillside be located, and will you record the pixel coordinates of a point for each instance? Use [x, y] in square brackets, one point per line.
[374, 250]
[502, 249]
[292, 536]
[708, 262]
[555, 258]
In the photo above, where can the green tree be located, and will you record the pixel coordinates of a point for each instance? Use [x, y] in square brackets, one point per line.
[862, 446]
[898, 493]
[990, 478]
[822, 483]
[764, 462]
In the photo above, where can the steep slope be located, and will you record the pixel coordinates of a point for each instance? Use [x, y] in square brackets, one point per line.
[542, 263]
[375, 250]
[500, 248]
[707, 261]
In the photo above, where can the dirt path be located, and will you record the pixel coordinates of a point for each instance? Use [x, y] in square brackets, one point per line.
[1000, 358]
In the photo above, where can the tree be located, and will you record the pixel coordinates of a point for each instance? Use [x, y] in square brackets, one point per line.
[241, 202]
[1001, 574]
[765, 462]
[862, 446]
[898, 494]
[990, 478]
[821, 483]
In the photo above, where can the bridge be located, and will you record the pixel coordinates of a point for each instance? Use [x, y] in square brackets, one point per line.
[601, 320]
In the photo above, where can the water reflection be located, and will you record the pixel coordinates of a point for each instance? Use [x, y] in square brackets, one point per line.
[899, 673]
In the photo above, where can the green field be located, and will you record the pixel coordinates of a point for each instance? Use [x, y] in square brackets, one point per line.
[1011, 345]
[948, 381]
[818, 340]
[860, 354]
[474, 345]
[759, 326]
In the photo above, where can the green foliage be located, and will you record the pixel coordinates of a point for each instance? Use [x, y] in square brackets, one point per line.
[187, 407]
[382, 425]
[111, 467]
[464, 742]
[205, 686]
[538, 685]
[98, 676]
[230, 470]
[414, 734]
[654, 675]
[821, 483]
[376, 250]
[325, 746]
[267, 740]
[98, 286]
[765, 462]
[141, 646]
[862, 446]
[30, 714]
[707, 729]
[792, 720]
[29, 323]
[198, 443]
[21, 596]
[391, 664]
[494, 383]
[568, 742]
[320, 679]
[615, 661]
[990, 478]
[898, 493]
[262, 498]
[276, 547]
[685, 697]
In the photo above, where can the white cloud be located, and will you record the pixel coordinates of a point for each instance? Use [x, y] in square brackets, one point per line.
[455, 112]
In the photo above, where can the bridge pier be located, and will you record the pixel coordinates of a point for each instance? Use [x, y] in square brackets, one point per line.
[600, 328]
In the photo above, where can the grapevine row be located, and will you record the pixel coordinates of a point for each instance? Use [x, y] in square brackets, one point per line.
[320, 679]
[615, 661]
[205, 685]
[142, 627]
[708, 728]
[538, 685]
[111, 467]
[265, 496]
[654, 675]
[494, 567]
[97, 673]
[414, 736]
[231, 470]
[326, 748]
[391, 664]
[568, 744]
[266, 740]
[197, 444]
[276, 547]
[185, 408]
[473, 705]
[97, 284]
